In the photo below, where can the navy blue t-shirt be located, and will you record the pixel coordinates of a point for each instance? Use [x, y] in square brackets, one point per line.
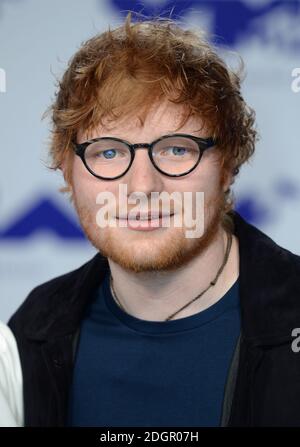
[134, 372]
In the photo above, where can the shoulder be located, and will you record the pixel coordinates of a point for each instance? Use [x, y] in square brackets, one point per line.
[269, 283]
[43, 293]
[257, 244]
[11, 396]
[55, 297]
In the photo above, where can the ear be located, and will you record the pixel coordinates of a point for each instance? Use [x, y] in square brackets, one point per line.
[64, 169]
[227, 180]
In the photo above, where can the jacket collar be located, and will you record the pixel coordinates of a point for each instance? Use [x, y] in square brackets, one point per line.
[269, 292]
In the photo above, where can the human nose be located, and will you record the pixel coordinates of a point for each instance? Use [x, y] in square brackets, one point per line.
[142, 175]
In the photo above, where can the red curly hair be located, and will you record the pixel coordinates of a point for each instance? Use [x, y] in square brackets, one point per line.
[129, 68]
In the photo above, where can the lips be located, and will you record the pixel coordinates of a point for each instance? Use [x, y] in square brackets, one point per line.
[146, 216]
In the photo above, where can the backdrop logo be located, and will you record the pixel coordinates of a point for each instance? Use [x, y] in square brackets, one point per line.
[232, 19]
[2, 80]
[43, 216]
[46, 215]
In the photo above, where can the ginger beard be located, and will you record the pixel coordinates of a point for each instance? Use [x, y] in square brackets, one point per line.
[163, 249]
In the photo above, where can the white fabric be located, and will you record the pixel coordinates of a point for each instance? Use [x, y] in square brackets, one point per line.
[11, 381]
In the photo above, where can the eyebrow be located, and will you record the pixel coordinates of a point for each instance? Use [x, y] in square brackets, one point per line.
[153, 139]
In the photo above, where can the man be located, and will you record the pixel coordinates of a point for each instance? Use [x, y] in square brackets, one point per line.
[159, 328]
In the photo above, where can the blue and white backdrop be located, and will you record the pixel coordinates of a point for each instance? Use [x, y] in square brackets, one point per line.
[39, 233]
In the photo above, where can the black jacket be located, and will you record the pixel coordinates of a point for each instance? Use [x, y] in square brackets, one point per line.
[263, 384]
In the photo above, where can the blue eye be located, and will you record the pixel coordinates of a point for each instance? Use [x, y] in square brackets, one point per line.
[174, 151]
[109, 153]
[177, 150]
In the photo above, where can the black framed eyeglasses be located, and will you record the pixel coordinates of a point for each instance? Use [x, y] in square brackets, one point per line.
[174, 155]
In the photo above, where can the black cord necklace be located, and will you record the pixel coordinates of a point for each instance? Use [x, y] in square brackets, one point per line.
[212, 283]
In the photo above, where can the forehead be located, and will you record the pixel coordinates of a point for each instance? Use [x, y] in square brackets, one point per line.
[163, 118]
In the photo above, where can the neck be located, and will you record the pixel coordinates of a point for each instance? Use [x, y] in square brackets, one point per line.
[155, 295]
